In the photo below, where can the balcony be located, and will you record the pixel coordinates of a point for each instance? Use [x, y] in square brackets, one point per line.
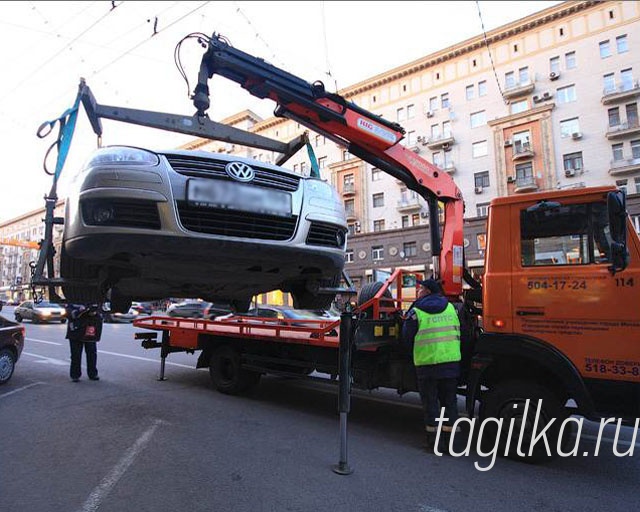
[449, 167]
[440, 141]
[621, 92]
[522, 151]
[624, 166]
[409, 204]
[351, 215]
[623, 129]
[519, 89]
[348, 189]
[525, 184]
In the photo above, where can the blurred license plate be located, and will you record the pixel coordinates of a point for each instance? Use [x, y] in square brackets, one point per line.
[237, 196]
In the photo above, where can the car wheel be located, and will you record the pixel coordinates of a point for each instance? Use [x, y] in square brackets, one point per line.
[63, 320]
[7, 365]
[506, 401]
[18, 318]
[119, 303]
[241, 305]
[227, 373]
[35, 319]
[303, 298]
[72, 268]
[367, 293]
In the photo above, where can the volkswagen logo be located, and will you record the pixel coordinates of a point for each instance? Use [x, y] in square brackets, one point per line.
[239, 171]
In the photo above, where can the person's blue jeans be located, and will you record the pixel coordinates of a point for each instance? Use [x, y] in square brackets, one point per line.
[435, 394]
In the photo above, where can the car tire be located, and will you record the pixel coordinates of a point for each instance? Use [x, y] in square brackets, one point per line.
[367, 293]
[506, 401]
[303, 298]
[35, 319]
[7, 365]
[72, 268]
[63, 320]
[18, 318]
[240, 305]
[227, 374]
[119, 303]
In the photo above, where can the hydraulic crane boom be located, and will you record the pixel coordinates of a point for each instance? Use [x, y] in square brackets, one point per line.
[366, 135]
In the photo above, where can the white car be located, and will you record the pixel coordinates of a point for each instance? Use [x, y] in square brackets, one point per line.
[143, 225]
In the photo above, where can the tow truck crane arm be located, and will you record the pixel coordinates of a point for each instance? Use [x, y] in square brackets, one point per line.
[366, 135]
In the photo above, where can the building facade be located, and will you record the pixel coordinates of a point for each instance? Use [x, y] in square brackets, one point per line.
[549, 101]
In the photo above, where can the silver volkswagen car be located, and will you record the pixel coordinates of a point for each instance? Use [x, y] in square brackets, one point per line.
[141, 225]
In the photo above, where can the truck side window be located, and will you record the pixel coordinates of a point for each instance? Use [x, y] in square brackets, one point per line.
[576, 234]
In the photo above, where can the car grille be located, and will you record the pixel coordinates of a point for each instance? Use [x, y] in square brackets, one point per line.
[198, 167]
[121, 212]
[223, 222]
[325, 234]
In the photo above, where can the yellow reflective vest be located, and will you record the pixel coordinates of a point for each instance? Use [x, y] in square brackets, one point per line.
[438, 337]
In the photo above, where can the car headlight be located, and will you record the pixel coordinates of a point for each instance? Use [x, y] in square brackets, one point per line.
[122, 155]
[44, 313]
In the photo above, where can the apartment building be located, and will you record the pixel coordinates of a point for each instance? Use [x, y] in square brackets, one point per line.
[548, 101]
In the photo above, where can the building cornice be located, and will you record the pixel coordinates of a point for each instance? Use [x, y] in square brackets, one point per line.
[521, 115]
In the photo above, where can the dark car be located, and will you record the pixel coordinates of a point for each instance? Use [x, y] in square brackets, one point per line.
[287, 315]
[11, 344]
[188, 309]
[39, 312]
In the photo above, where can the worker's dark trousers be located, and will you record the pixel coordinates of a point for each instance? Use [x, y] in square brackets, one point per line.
[435, 394]
[76, 358]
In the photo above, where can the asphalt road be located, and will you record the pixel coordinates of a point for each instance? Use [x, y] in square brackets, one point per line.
[132, 443]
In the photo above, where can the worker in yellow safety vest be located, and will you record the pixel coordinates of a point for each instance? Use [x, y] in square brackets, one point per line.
[433, 327]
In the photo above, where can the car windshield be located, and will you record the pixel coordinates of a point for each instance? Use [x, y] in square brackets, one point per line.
[45, 304]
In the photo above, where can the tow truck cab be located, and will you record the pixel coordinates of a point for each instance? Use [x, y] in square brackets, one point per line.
[569, 322]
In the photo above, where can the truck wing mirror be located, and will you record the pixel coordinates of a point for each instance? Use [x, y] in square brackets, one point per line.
[617, 209]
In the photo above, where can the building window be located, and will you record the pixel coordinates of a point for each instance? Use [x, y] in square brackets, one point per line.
[303, 167]
[320, 140]
[348, 180]
[411, 111]
[554, 64]
[636, 182]
[378, 200]
[570, 60]
[444, 100]
[479, 149]
[377, 253]
[605, 49]
[478, 119]
[481, 179]
[572, 161]
[632, 114]
[523, 75]
[348, 256]
[519, 106]
[609, 83]
[616, 149]
[350, 207]
[482, 88]
[566, 94]
[569, 126]
[481, 240]
[469, 91]
[376, 174]
[410, 249]
[626, 77]
[482, 209]
[411, 138]
[415, 219]
[400, 114]
[405, 221]
[622, 185]
[614, 116]
[378, 225]
[524, 173]
[322, 162]
[436, 158]
[433, 104]
[635, 149]
[446, 129]
[435, 131]
[621, 44]
[509, 79]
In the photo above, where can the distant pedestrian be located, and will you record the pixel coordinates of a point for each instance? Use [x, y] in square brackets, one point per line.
[433, 327]
[84, 329]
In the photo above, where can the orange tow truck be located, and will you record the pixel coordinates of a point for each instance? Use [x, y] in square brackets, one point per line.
[555, 316]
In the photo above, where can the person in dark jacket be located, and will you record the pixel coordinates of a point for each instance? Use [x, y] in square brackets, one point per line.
[433, 327]
[84, 329]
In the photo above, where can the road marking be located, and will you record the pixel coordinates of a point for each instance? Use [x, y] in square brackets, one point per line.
[48, 360]
[143, 358]
[108, 483]
[427, 508]
[20, 389]
[43, 341]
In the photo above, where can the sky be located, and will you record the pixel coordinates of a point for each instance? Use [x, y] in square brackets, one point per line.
[125, 51]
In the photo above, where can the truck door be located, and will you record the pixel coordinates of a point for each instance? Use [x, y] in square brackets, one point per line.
[565, 294]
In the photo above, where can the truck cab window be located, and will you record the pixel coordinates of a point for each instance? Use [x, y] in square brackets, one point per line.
[575, 234]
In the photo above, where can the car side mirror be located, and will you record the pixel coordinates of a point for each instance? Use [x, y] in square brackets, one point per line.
[617, 209]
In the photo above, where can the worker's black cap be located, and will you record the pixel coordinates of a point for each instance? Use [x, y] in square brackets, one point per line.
[432, 285]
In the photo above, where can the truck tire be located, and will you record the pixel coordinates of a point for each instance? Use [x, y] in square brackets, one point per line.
[7, 365]
[506, 400]
[227, 373]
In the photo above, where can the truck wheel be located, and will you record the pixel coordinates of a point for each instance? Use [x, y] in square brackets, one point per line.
[7, 365]
[506, 401]
[227, 373]
[367, 293]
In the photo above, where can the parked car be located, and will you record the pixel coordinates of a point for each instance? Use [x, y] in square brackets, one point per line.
[199, 224]
[283, 315]
[214, 310]
[188, 309]
[39, 312]
[143, 308]
[11, 344]
[115, 317]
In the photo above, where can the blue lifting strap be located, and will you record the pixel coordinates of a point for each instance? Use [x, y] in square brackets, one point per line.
[315, 168]
[67, 125]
